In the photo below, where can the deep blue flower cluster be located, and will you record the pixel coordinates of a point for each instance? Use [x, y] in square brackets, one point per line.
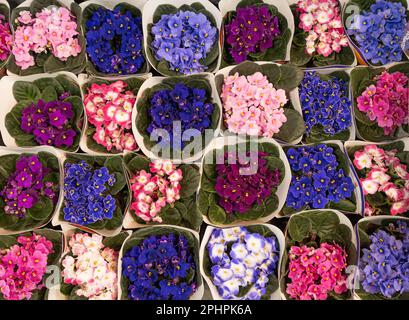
[325, 103]
[379, 31]
[114, 41]
[316, 178]
[189, 106]
[160, 268]
[84, 189]
[384, 267]
[183, 39]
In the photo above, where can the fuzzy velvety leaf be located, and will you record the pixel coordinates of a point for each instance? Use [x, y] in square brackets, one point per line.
[323, 223]
[116, 241]
[344, 205]
[207, 184]
[190, 180]
[216, 214]
[49, 94]
[164, 9]
[7, 241]
[137, 163]
[291, 77]
[23, 90]
[114, 164]
[42, 209]
[298, 56]
[69, 85]
[404, 157]
[299, 228]
[246, 68]
[276, 163]
[293, 128]
[120, 183]
[44, 83]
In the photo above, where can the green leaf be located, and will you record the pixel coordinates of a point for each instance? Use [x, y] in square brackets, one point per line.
[344, 205]
[44, 83]
[162, 10]
[42, 209]
[299, 227]
[7, 241]
[49, 94]
[114, 164]
[324, 223]
[23, 90]
[207, 184]
[293, 128]
[291, 77]
[276, 163]
[66, 288]
[216, 214]
[298, 56]
[137, 164]
[120, 183]
[190, 181]
[116, 241]
[69, 85]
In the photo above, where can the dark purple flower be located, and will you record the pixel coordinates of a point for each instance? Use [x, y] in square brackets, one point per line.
[57, 119]
[65, 138]
[34, 163]
[239, 192]
[25, 200]
[24, 180]
[252, 30]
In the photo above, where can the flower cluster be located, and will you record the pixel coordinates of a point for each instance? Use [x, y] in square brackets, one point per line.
[6, 39]
[84, 199]
[23, 265]
[325, 103]
[160, 268]
[252, 105]
[315, 272]
[316, 178]
[183, 39]
[51, 30]
[25, 186]
[386, 102]
[242, 259]
[384, 266]
[50, 122]
[321, 20]
[252, 30]
[184, 104]
[379, 31]
[238, 188]
[153, 190]
[109, 109]
[384, 173]
[114, 41]
[91, 266]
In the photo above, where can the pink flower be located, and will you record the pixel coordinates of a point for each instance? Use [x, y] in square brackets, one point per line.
[109, 109]
[50, 31]
[362, 160]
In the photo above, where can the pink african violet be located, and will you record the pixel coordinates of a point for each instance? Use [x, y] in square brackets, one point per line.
[383, 170]
[153, 190]
[322, 22]
[5, 38]
[91, 267]
[109, 109]
[51, 30]
[315, 272]
[387, 101]
[23, 266]
[252, 105]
